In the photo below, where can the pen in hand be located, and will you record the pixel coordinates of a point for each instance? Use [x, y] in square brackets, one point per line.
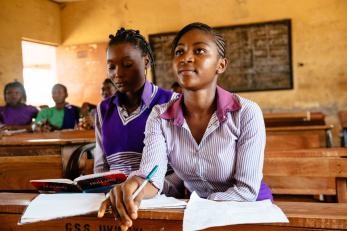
[148, 178]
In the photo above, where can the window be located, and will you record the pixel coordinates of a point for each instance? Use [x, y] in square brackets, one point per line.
[39, 72]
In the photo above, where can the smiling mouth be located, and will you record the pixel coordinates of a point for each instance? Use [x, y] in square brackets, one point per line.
[186, 72]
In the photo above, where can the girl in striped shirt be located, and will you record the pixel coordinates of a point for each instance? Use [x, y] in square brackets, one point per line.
[213, 139]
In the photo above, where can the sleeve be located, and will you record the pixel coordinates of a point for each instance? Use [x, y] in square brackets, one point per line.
[154, 151]
[42, 115]
[100, 163]
[173, 186]
[249, 157]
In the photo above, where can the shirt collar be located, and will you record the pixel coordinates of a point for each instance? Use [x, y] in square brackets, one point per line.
[226, 102]
[146, 96]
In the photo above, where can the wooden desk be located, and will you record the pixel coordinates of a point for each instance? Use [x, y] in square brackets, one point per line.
[302, 216]
[298, 137]
[280, 119]
[307, 172]
[37, 155]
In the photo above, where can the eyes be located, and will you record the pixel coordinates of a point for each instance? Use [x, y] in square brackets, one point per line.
[124, 64]
[197, 51]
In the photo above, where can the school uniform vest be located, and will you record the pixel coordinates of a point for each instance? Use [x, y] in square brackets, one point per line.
[123, 139]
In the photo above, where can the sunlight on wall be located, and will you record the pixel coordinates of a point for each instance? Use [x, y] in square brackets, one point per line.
[39, 72]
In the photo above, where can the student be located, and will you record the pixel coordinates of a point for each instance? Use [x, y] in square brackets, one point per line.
[16, 114]
[213, 139]
[61, 116]
[121, 118]
[108, 89]
[88, 110]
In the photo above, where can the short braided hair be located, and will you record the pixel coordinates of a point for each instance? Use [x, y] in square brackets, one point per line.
[134, 37]
[219, 40]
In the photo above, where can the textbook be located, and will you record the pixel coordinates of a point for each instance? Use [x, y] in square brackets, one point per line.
[98, 182]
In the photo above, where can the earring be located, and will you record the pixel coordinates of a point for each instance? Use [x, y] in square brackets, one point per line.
[145, 72]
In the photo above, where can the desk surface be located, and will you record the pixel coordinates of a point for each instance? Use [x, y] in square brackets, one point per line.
[49, 138]
[309, 152]
[300, 214]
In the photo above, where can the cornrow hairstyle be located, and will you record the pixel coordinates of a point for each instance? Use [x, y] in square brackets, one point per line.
[134, 37]
[60, 85]
[219, 40]
[18, 85]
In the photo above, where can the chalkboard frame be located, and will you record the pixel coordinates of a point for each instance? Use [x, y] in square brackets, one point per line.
[260, 86]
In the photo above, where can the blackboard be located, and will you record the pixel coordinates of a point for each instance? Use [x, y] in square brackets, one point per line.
[259, 54]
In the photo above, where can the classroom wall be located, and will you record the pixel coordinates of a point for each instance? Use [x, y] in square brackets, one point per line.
[319, 39]
[35, 20]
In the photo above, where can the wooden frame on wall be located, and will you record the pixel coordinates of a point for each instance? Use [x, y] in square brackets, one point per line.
[259, 54]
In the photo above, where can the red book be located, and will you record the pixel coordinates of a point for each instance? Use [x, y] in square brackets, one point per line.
[98, 182]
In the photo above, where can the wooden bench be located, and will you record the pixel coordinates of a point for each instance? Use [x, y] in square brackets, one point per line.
[301, 215]
[307, 172]
[284, 119]
[35, 156]
[298, 137]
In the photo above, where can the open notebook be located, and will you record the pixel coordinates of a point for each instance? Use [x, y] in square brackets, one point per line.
[53, 206]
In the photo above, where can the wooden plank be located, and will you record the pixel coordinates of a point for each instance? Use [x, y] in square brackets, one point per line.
[29, 150]
[279, 142]
[293, 119]
[17, 171]
[341, 187]
[300, 128]
[314, 152]
[57, 137]
[343, 118]
[296, 185]
[302, 216]
[307, 167]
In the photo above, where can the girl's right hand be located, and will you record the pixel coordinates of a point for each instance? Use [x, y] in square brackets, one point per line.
[122, 202]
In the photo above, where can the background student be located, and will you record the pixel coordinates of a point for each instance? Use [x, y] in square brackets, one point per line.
[121, 118]
[88, 110]
[62, 116]
[15, 114]
[213, 139]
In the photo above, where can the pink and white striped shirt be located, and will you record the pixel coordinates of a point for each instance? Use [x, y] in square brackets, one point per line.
[228, 162]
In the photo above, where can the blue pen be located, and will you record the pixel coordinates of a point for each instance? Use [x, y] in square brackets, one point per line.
[148, 178]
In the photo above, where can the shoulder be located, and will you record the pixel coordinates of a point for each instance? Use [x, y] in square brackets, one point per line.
[162, 108]
[105, 104]
[32, 108]
[248, 106]
[162, 95]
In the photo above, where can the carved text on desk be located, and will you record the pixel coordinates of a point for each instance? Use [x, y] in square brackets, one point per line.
[102, 227]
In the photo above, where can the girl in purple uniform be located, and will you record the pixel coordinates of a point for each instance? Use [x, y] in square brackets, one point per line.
[213, 139]
[121, 118]
[16, 114]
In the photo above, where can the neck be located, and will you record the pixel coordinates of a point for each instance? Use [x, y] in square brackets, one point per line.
[198, 103]
[60, 105]
[131, 100]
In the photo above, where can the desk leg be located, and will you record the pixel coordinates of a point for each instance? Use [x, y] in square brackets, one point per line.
[341, 188]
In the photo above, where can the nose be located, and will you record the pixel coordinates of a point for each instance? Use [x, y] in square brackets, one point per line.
[187, 57]
[115, 73]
